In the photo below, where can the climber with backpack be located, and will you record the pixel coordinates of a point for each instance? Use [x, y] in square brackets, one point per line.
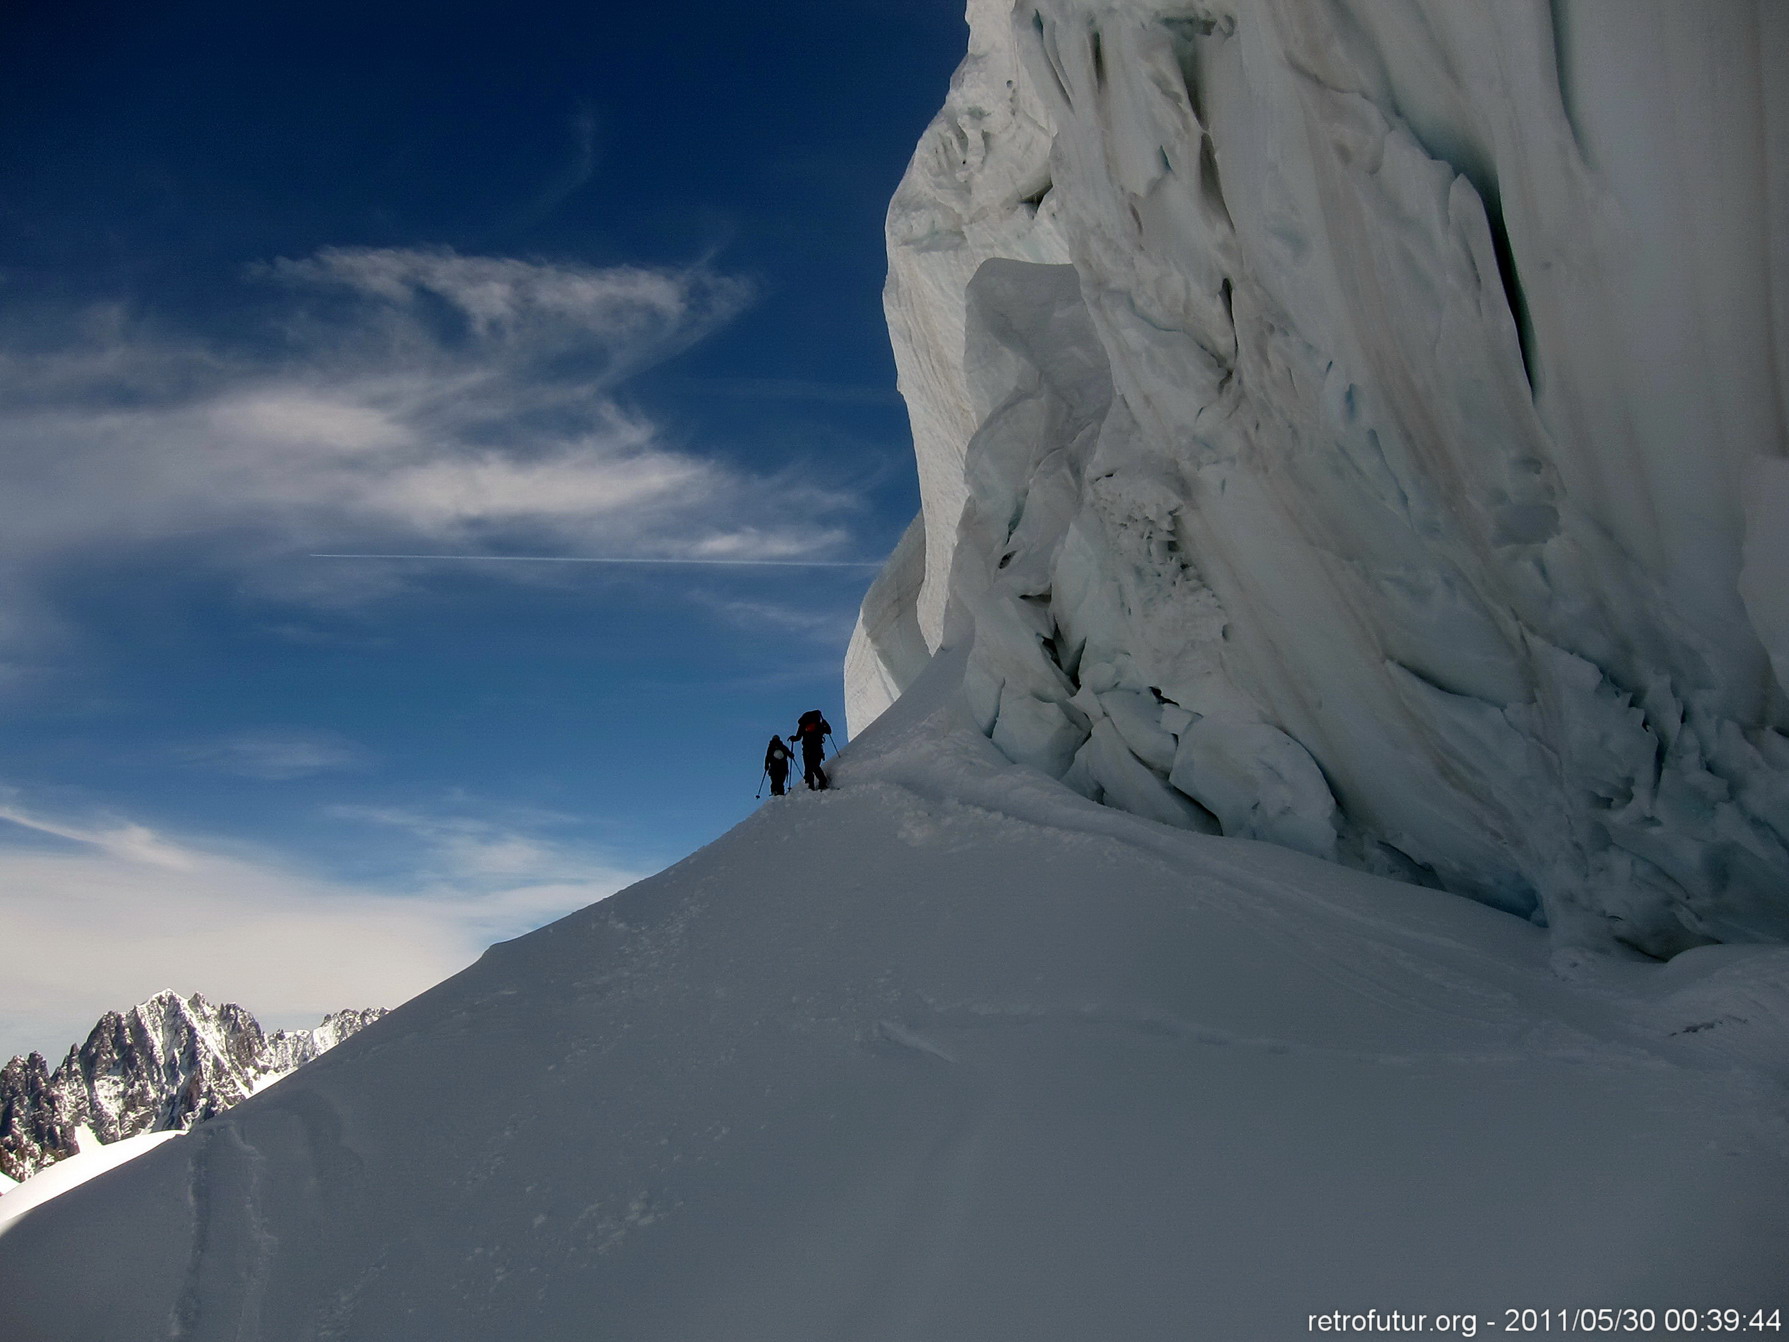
[776, 765]
[812, 732]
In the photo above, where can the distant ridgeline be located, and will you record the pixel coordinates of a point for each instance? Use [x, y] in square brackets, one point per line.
[162, 1066]
[1350, 427]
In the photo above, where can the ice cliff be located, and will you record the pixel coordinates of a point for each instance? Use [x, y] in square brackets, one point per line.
[1359, 425]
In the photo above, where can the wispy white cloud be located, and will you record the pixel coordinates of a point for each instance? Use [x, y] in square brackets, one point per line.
[101, 914]
[632, 311]
[120, 840]
[469, 846]
[578, 168]
[419, 399]
[825, 625]
[791, 389]
[277, 753]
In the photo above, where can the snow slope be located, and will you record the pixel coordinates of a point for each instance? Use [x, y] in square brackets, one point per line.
[1360, 426]
[951, 1054]
[91, 1159]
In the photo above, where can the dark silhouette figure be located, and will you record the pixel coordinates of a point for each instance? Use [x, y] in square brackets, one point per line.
[776, 764]
[811, 732]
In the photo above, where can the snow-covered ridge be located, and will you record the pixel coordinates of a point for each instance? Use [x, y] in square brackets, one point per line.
[162, 1066]
[1002, 1065]
[1360, 427]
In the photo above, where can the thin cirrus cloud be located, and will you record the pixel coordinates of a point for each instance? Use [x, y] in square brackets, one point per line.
[516, 844]
[625, 313]
[113, 911]
[790, 389]
[825, 627]
[571, 177]
[276, 754]
[416, 399]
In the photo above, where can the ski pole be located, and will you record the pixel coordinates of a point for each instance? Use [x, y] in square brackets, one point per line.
[762, 775]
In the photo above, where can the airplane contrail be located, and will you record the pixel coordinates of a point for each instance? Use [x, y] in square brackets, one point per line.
[609, 559]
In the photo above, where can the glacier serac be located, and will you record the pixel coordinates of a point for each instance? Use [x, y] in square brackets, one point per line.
[1360, 426]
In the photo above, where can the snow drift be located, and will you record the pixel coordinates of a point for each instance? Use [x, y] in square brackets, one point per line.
[1360, 426]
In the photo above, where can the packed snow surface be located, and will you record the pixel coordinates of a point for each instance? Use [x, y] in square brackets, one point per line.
[952, 1054]
[1360, 426]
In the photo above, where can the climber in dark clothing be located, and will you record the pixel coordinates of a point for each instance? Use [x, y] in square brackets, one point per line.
[811, 731]
[776, 764]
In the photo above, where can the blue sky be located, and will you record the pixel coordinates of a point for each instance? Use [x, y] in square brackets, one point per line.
[479, 278]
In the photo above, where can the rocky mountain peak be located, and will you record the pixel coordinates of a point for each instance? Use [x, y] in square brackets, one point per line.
[163, 1065]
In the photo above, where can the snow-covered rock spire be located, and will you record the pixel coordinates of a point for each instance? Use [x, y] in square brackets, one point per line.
[162, 1066]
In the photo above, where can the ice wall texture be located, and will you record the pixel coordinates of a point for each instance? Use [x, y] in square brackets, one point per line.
[1359, 425]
